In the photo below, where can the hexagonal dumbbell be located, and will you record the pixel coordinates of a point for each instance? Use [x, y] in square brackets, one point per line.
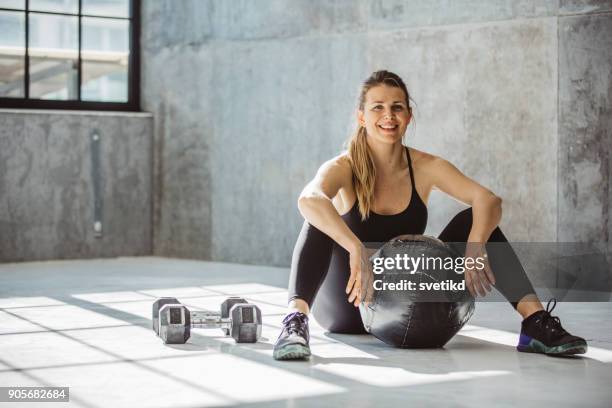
[226, 306]
[158, 304]
[237, 318]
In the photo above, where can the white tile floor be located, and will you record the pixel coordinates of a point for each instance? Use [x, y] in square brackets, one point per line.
[86, 325]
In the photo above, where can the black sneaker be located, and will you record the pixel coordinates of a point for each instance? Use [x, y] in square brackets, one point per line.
[543, 333]
[292, 344]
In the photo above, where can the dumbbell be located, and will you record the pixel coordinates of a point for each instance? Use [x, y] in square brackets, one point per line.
[173, 321]
[225, 309]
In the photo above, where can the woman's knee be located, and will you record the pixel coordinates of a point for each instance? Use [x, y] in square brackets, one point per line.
[459, 228]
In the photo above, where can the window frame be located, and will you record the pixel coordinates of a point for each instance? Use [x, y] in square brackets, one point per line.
[133, 81]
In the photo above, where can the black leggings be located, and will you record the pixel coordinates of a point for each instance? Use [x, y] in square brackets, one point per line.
[320, 270]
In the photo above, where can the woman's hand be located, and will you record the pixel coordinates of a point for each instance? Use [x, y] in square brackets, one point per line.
[359, 263]
[478, 280]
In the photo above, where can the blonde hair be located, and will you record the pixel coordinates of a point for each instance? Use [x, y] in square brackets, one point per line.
[360, 157]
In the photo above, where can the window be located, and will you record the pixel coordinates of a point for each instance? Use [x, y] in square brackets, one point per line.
[70, 54]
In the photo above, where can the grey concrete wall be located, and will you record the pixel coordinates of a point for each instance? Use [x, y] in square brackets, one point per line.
[585, 143]
[47, 184]
[585, 128]
[249, 98]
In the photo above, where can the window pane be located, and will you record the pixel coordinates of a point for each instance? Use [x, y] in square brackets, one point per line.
[14, 4]
[12, 54]
[105, 56]
[53, 56]
[109, 8]
[58, 6]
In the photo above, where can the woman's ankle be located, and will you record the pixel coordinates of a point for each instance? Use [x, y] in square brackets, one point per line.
[529, 305]
[299, 305]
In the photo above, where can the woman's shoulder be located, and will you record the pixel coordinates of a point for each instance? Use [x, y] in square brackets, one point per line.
[336, 170]
[341, 163]
[421, 158]
[430, 165]
[345, 198]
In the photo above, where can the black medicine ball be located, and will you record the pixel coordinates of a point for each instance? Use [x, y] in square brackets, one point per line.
[426, 313]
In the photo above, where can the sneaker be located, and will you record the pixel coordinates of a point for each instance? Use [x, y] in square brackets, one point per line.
[543, 333]
[292, 344]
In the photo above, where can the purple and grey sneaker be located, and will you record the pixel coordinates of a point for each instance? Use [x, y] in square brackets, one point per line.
[543, 333]
[292, 343]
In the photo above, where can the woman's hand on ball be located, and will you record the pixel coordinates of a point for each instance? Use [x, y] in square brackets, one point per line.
[359, 265]
[479, 281]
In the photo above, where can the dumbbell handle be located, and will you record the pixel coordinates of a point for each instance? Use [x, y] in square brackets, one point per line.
[207, 320]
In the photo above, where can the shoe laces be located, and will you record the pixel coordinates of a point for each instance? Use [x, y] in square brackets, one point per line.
[296, 323]
[549, 321]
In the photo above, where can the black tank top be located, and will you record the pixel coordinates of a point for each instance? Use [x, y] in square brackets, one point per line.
[382, 228]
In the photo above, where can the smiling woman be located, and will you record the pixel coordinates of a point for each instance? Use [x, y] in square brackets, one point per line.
[383, 116]
[387, 100]
[378, 190]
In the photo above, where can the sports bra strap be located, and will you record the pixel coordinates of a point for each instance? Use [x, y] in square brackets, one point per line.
[410, 167]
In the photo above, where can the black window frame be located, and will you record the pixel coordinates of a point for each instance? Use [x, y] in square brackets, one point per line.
[133, 102]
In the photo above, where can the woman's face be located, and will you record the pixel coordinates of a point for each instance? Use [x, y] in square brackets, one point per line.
[385, 114]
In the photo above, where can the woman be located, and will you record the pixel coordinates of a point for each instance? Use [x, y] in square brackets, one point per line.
[376, 190]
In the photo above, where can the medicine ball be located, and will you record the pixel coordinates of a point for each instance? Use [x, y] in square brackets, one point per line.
[416, 318]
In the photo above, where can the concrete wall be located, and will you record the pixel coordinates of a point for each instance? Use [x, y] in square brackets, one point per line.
[52, 174]
[585, 143]
[585, 128]
[249, 98]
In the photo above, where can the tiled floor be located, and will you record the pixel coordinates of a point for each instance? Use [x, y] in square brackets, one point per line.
[86, 325]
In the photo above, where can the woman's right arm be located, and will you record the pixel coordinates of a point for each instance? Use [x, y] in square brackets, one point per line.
[315, 205]
[315, 202]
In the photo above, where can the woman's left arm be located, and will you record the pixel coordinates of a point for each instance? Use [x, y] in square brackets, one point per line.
[486, 206]
[486, 214]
